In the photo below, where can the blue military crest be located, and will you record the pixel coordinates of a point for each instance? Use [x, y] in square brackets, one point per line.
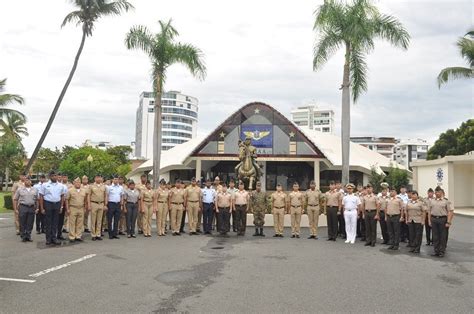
[439, 174]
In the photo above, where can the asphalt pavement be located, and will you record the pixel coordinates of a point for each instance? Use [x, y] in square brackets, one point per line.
[210, 274]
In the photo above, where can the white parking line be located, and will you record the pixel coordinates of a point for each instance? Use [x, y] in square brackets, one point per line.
[43, 272]
[17, 280]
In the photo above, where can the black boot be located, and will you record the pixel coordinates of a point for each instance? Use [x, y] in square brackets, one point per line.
[256, 233]
[261, 232]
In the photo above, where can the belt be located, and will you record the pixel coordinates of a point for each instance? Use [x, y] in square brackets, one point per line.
[176, 203]
[317, 205]
[193, 201]
[224, 207]
[53, 202]
[279, 207]
[370, 210]
[161, 202]
[208, 203]
[114, 202]
[148, 202]
[132, 203]
[97, 202]
[240, 204]
[296, 206]
[336, 206]
[438, 216]
[27, 205]
[393, 215]
[349, 209]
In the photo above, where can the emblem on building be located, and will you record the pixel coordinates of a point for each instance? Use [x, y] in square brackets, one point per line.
[439, 175]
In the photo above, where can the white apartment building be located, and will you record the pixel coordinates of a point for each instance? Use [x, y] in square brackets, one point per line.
[179, 116]
[97, 144]
[381, 145]
[314, 117]
[408, 150]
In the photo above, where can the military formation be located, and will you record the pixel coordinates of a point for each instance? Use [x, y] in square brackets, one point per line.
[114, 208]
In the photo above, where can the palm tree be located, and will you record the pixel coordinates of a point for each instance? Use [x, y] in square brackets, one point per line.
[7, 99]
[87, 13]
[163, 51]
[466, 47]
[13, 126]
[353, 27]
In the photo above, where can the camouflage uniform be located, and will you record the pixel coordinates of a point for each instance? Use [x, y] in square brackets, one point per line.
[258, 202]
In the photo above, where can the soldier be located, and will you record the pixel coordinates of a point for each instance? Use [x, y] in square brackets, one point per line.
[97, 206]
[51, 200]
[85, 185]
[382, 203]
[416, 212]
[76, 204]
[25, 204]
[147, 205]
[208, 207]
[223, 208]
[351, 204]
[63, 219]
[123, 215]
[15, 187]
[279, 201]
[141, 186]
[114, 204]
[193, 204]
[427, 200]
[162, 207]
[296, 200]
[131, 198]
[370, 212]
[176, 206]
[241, 202]
[393, 216]
[105, 222]
[258, 201]
[199, 220]
[218, 188]
[39, 214]
[313, 198]
[403, 225]
[333, 211]
[440, 217]
[361, 191]
[232, 189]
[341, 222]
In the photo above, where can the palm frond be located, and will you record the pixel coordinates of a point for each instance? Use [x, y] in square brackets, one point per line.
[191, 57]
[325, 47]
[2, 84]
[358, 72]
[7, 99]
[72, 17]
[4, 111]
[454, 73]
[114, 8]
[167, 30]
[466, 47]
[329, 16]
[139, 37]
[389, 28]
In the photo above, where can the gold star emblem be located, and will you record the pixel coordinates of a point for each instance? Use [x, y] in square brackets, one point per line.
[292, 134]
[257, 111]
[222, 134]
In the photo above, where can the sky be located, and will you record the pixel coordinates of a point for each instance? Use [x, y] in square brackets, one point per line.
[254, 51]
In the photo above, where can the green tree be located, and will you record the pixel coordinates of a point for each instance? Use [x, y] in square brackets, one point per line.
[376, 179]
[163, 51]
[75, 164]
[86, 15]
[466, 48]
[123, 169]
[12, 125]
[8, 99]
[454, 142]
[47, 160]
[397, 177]
[353, 27]
[12, 155]
[121, 153]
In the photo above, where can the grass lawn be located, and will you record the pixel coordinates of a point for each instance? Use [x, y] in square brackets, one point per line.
[3, 209]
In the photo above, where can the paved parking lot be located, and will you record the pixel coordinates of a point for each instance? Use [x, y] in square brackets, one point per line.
[198, 274]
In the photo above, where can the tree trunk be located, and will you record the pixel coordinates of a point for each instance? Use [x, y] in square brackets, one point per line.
[7, 178]
[56, 107]
[346, 118]
[157, 134]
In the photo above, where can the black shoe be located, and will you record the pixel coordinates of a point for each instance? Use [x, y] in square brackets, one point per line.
[49, 243]
[38, 232]
[311, 237]
[79, 239]
[94, 238]
[329, 239]
[140, 232]
[395, 248]
[133, 236]
[198, 231]
[276, 236]
[428, 244]
[61, 238]
[99, 238]
[372, 244]
[416, 251]
[111, 237]
[121, 233]
[18, 233]
[298, 236]
[367, 244]
[65, 231]
[441, 255]
[29, 240]
[385, 242]
[293, 236]
[257, 233]
[87, 231]
[23, 240]
[316, 237]
[174, 234]
[178, 233]
[72, 240]
[56, 242]
[390, 247]
[116, 237]
[434, 254]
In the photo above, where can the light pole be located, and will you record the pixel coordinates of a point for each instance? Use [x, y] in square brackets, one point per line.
[90, 159]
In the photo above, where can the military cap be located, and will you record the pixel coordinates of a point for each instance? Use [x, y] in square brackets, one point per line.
[217, 178]
[430, 190]
[350, 186]
[208, 180]
[438, 188]
[131, 182]
[85, 177]
[369, 185]
[231, 180]
[77, 179]
[162, 181]
[52, 173]
[312, 182]
[193, 179]
[98, 175]
[258, 183]
[42, 176]
[384, 185]
[115, 176]
[278, 184]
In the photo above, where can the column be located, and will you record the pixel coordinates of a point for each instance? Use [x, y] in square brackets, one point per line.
[316, 173]
[198, 169]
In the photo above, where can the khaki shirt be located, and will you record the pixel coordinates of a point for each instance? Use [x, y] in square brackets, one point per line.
[162, 195]
[87, 188]
[369, 202]
[440, 207]
[296, 199]
[415, 211]
[279, 199]
[193, 194]
[333, 198]
[26, 196]
[140, 187]
[16, 186]
[313, 197]
[76, 198]
[223, 200]
[131, 196]
[177, 196]
[97, 193]
[383, 201]
[147, 195]
[241, 197]
[394, 206]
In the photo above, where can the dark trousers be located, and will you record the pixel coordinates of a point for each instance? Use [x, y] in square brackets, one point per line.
[207, 214]
[224, 219]
[403, 231]
[51, 218]
[370, 227]
[59, 229]
[26, 215]
[332, 221]
[132, 212]
[360, 227]
[440, 233]
[234, 218]
[427, 231]
[342, 224]
[415, 232]
[113, 217]
[393, 226]
[241, 218]
[39, 222]
[183, 222]
[383, 227]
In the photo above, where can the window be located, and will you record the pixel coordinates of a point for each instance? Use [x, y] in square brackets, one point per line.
[173, 141]
[325, 129]
[189, 106]
[180, 111]
[177, 119]
[324, 114]
[177, 127]
[151, 109]
[178, 134]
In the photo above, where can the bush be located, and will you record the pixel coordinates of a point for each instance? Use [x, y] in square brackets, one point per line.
[8, 201]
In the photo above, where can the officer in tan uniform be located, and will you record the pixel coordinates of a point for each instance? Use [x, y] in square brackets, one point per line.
[427, 199]
[97, 205]
[140, 186]
[123, 214]
[313, 197]
[232, 189]
[440, 217]
[382, 199]
[76, 204]
[162, 206]
[85, 185]
[223, 208]
[25, 204]
[415, 218]
[176, 206]
[147, 201]
[333, 210]
[15, 187]
[192, 202]
[394, 216]
[370, 212]
[241, 203]
[279, 206]
[296, 200]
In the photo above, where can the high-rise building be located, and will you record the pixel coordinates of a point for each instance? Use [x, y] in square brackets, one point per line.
[408, 150]
[179, 117]
[97, 144]
[314, 117]
[382, 145]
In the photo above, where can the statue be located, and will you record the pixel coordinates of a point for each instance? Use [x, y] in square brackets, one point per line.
[248, 170]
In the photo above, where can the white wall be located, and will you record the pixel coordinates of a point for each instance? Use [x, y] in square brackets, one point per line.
[463, 185]
[426, 178]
